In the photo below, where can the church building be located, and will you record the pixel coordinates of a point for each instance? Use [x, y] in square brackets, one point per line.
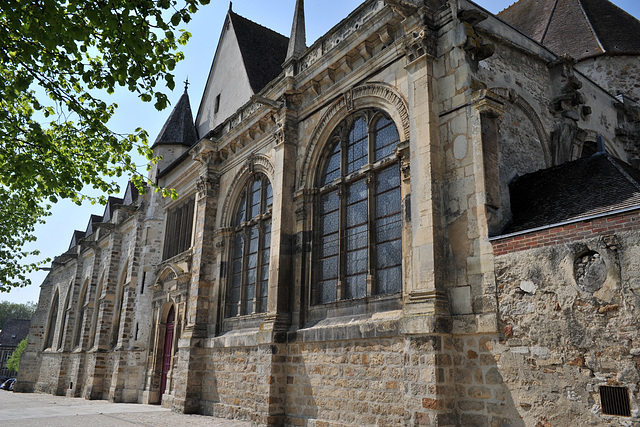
[428, 217]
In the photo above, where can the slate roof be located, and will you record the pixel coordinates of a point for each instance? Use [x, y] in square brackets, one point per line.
[110, 207]
[580, 28]
[77, 235]
[14, 331]
[91, 226]
[589, 186]
[179, 129]
[130, 194]
[263, 50]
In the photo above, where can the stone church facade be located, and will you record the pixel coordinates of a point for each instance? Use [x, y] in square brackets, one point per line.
[428, 217]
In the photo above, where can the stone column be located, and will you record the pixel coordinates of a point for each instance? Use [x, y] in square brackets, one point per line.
[283, 224]
[423, 170]
[191, 364]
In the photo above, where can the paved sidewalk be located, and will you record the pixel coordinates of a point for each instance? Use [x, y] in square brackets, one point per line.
[30, 409]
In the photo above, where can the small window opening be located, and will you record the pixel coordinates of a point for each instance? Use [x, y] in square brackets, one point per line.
[589, 148]
[136, 336]
[217, 106]
[144, 278]
[70, 385]
[615, 401]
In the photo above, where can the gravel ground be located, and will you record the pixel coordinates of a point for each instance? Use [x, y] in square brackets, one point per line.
[30, 409]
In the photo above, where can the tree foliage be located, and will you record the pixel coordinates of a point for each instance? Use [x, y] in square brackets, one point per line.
[56, 59]
[13, 363]
[14, 310]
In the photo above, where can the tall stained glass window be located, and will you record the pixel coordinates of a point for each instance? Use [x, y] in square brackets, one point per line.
[358, 250]
[250, 250]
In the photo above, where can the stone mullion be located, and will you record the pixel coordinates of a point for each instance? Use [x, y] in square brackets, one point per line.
[370, 232]
[243, 274]
[257, 287]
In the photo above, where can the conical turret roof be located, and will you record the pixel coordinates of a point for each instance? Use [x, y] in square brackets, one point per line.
[179, 128]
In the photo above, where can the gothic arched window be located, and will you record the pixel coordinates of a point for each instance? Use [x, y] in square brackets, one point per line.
[53, 316]
[250, 249]
[358, 251]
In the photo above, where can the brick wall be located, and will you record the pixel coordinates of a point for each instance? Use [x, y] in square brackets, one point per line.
[568, 233]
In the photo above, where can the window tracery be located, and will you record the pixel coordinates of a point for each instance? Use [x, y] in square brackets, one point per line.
[248, 283]
[359, 222]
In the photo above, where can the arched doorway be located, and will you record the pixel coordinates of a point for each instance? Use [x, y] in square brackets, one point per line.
[166, 354]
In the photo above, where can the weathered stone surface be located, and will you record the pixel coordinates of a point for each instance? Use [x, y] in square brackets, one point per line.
[441, 321]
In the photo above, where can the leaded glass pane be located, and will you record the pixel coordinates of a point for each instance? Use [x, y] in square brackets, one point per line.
[357, 262]
[332, 167]
[329, 202]
[329, 223]
[389, 280]
[328, 268]
[256, 195]
[389, 254]
[357, 206]
[357, 191]
[388, 228]
[267, 234]
[388, 179]
[329, 245]
[242, 210]
[357, 237]
[269, 195]
[358, 146]
[388, 203]
[386, 138]
[356, 286]
[326, 291]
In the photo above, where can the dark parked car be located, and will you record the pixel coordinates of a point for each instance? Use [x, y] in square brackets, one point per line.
[8, 384]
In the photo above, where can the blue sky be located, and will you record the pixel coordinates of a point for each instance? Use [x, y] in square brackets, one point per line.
[321, 15]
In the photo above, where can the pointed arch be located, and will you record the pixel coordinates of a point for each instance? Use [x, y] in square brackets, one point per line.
[96, 311]
[257, 163]
[53, 316]
[83, 301]
[522, 104]
[377, 95]
[117, 313]
[65, 316]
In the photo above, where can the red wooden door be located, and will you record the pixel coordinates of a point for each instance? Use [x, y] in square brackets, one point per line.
[166, 355]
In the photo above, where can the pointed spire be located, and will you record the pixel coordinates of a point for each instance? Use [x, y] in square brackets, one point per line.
[297, 42]
[179, 128]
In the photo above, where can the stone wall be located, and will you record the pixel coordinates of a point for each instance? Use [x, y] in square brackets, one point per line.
[569, 324]
[613, 72]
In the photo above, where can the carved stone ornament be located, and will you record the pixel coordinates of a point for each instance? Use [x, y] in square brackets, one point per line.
[402, 153]
[474, 44]
[420, 42]
[402, 7]
[348, 99]
[207, 185]
[279, 134]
